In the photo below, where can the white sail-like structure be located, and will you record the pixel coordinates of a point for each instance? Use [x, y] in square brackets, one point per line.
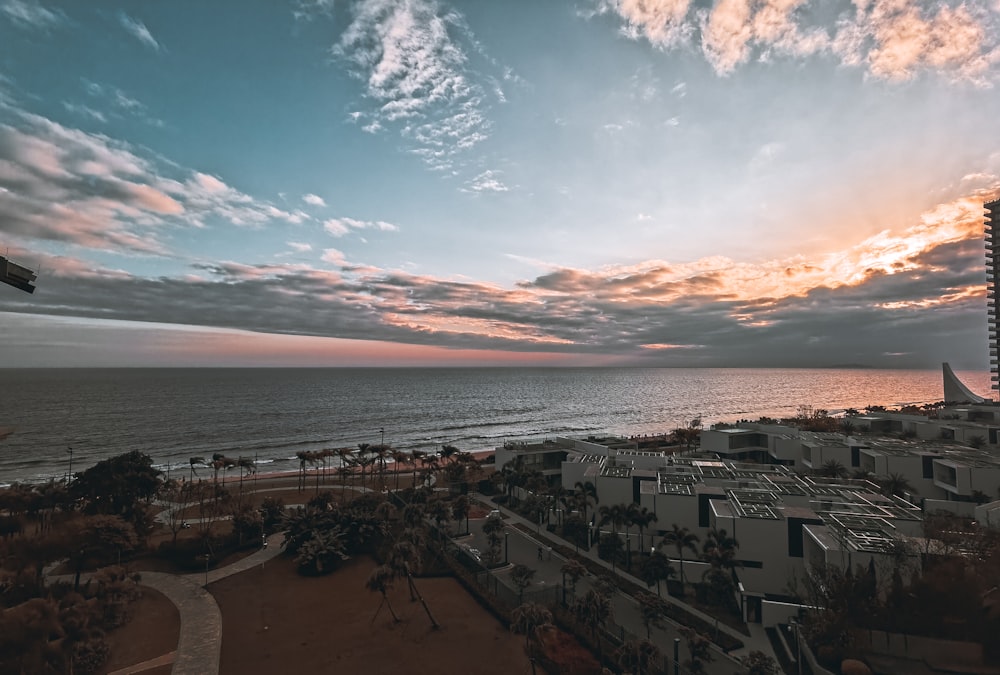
[955, 391]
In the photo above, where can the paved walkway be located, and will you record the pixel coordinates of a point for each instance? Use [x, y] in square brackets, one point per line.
[199, 645]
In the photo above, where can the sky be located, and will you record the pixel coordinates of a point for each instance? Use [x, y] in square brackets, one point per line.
[693, 183]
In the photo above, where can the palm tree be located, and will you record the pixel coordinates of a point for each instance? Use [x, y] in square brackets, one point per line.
[402, 558]
[521, 575]
[657, 568]
[832, 468]
[381, 455]
[895, 484]
[363, 449]
[460, 508]
[248, 467]
[381, 580]
[682, 539]
[448, 452]
[416, 457]
[616, 514]
[526, 620]
[719, 548]
[344, 472]
[593, 610]
[639, 657]
[574, 570]
[218, 462]
[643, 518]
[399, 458]
[586, 494]
[303, 457]
[492, 529]
[654, 611]
[200, 461]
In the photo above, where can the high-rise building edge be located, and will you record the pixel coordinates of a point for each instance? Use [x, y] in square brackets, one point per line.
[992, 236]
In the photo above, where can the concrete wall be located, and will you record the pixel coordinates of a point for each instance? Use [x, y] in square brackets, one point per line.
[964, 509]
[988, 515]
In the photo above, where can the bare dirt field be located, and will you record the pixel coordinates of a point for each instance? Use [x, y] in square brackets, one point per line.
[152, 632]
[277, 621]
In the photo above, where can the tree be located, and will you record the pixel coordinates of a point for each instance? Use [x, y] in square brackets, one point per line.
[616, 515]
[363, 460]
[322, 552]
[895, 484]
[119, 486]
[460, 509]
[680, 538]
[657, 568]
[527, 620]
[492, 529]
[759, 663]
[200, 461]
[642, 518]
[699, 650]
[719, 549]
[832, 468]
[380, 581]
[180, 495]
[576, 530]
[399, 459]
[586, 494]
[574, 570]
[639, 657]
[521, 575]
[98, 540]
[654, 611]
[593, 610]
[611, 548]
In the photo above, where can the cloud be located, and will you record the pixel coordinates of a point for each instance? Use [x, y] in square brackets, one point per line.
[338, 227]
[334, 257]
[664, 23]
[307, 10]
[412, 57]
[64, 184]
[892, 39]
[487, 181]
[30, 15]
[313, 200]
[905, 37]
[85, 111]
[120, 103]
[139, 31]
[919, 292]
[299, 247]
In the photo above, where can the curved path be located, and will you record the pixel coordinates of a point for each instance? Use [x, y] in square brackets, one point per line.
[199, 646]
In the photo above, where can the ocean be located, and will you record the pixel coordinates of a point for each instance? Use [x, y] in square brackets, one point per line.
[175, 414]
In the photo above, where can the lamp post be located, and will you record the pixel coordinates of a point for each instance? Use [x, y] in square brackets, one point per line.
[381, 431]
[677, 656]
[69, 477]
[506, 559]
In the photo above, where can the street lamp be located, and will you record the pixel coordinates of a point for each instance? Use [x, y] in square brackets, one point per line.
[506, 534]
[381, 430]
[677, 656]
[70, 476]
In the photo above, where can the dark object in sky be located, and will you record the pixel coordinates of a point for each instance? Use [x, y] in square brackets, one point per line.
[17, 276]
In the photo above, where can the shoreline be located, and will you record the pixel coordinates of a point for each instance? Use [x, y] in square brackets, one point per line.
[331, 471]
